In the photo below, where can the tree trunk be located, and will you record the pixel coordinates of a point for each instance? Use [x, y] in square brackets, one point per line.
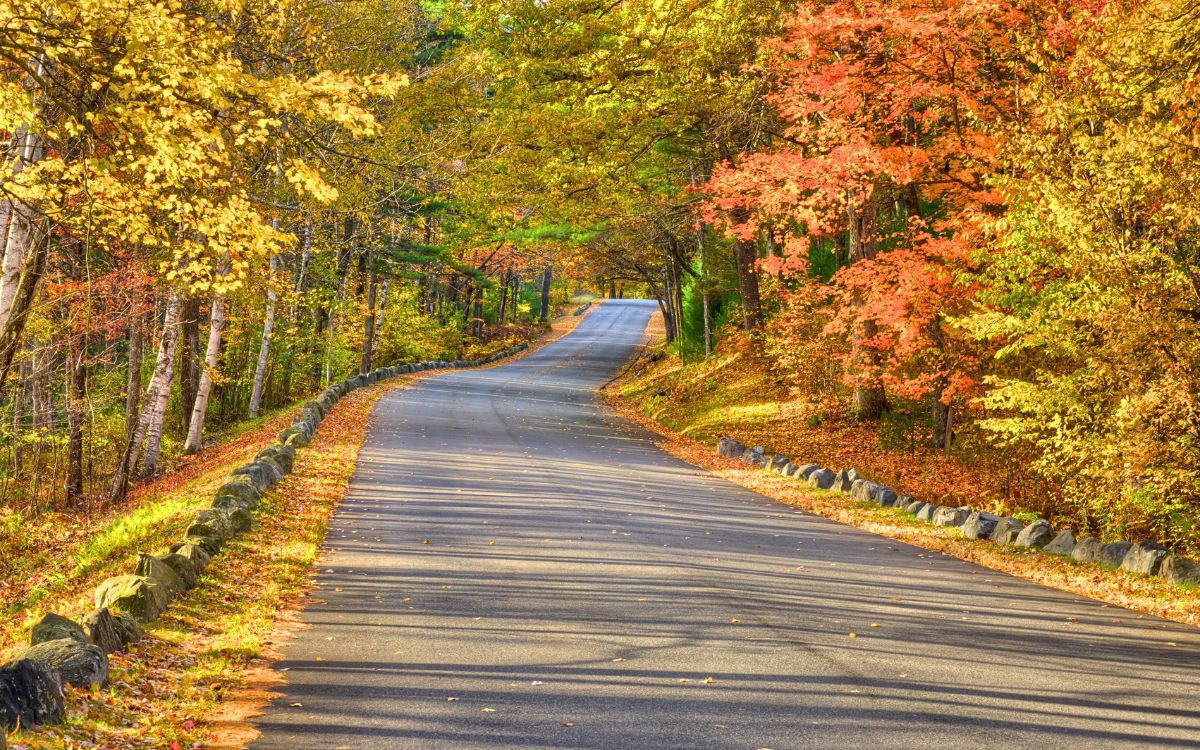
[22, 227]
[189, 363]
[216, 325]
[133, 376]
[160, 386]
[366, 362]
[545, 314]
[76, 393]
[869, 400]
[264, 348]
[158, 389]
[378, 330]
[13, 326]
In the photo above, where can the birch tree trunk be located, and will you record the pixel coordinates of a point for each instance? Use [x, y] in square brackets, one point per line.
[216, 326]
[264, 348]
[378, 331]
[21, 227]
[160, 383]
[160, 386]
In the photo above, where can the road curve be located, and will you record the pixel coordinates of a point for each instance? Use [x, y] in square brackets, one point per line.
[515, 567]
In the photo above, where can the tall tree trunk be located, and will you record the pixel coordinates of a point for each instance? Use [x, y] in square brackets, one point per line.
[76, 393]
[22, 226]
[13, 327]
[869, 400]
[264, 347]
[367, 357]
[216, 325]
[133, 376]
[745, 256]
[189, 362]
[545, 314]
[378, 330]
[160, 387]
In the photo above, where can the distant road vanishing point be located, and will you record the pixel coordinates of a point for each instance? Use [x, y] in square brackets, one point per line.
[516, 567]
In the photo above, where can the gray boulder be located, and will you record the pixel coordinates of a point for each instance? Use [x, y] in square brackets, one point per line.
[855, 484]
[914, 507]
[111, 632]
[1145, 558]
[853, 474]
[805, 471]
[866, 491]
[158, 573]
[778, 462]
[841, 482]
[294, 437]
[132, 595]
[1176, 569]
[1063, 544]
[237, 520]
[1113, 553]
[259, 474]
[211, 525]
[79, 664]
[885, 496]
[198, 556]
[54, 627]
[1087, 549]
[822, 479]
[183, 567]
[730, 448]
[1007, 530]
[241, 487]
[903, 501]
[980, 525]
[925, 512]
[755, 456]
[1036, 535]
[947, 516]
[226, 503]
[31, 694]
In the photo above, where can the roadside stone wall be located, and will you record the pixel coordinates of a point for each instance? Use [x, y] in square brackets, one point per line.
[63, 652]
[1145, 558]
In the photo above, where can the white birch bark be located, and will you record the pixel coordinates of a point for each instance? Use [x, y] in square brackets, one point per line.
[264, 349]
[159, 391]
[216, 326]
[376, 332]
[20, 225]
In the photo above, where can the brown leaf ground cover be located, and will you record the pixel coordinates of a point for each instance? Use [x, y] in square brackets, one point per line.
[690, 407]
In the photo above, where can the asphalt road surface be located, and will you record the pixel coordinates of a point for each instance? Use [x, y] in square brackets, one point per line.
[515, 567]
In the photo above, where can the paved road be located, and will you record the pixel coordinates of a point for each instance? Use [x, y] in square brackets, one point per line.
[516, 568]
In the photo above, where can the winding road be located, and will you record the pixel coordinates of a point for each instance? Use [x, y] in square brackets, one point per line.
[516, 567]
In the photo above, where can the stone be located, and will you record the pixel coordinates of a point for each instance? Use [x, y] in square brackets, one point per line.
[242, 488]
[199, 556]
[914, 507]
[805, 470]
[854, 485]
[1062, 544]
[1036, 535]
[853, 475]
[237, 519]
[778, 462]
[294, 437]
[730, 448]
[132, 595]
[1087, 549]
[54, 627]
[904, 501]
[1007, 530]
[926, 511]
[754, 456]
[1176, 569]
[258, 474]
[212, 526]
[183, 567]
[865, 491]
[1113, 553]
[822, 479]
[841, 482]
[947, 516]
[227, 503]
[885, 496]
[980, 525]
[111, 632]
[79, 664]
[1145, 558]
[158, 573]
[31, 694]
